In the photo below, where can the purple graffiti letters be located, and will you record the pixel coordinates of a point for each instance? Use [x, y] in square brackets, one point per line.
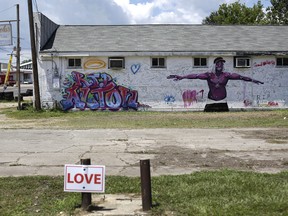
[96, 91]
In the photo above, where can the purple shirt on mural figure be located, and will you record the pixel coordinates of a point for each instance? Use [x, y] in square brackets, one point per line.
[216, 80]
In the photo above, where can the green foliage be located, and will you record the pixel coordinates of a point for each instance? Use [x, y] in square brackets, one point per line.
[277, 13]
[236, 13]
[223, 192]
[122, 184]
[26, 60]
[38, 195]
[239, 14]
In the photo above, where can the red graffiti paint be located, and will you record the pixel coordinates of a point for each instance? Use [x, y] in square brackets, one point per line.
[272, 103]
[264, 63]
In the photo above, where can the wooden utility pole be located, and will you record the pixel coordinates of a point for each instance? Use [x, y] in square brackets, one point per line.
[37, 104]
[18, 58]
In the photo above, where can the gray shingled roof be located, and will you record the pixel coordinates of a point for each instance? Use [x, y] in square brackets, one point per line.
[167, 38]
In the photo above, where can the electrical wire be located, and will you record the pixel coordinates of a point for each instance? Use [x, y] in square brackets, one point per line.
[36, 5]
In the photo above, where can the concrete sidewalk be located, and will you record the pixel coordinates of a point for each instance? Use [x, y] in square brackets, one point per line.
[171, 151]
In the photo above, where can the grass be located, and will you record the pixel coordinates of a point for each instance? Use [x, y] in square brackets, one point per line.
[224, 192]
[137, 120]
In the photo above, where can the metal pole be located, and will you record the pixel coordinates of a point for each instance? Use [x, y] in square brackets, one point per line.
[146, 185]
[86, 197]
[8, 21]
[34, 58]
[18, 58]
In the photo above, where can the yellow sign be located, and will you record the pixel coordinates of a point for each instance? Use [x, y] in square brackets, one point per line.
[8, 69]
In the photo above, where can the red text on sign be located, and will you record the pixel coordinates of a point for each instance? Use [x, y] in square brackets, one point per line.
[80, 178]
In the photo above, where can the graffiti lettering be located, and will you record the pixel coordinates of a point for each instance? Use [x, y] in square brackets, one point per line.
[96, 91]
[267, 62]
[272, 103]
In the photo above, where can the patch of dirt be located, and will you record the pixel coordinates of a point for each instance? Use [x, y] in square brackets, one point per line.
[276, 136]
[216, 159]
[254, 160]
[8, 105]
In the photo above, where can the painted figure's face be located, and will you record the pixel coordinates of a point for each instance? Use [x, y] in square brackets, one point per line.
[219, 66]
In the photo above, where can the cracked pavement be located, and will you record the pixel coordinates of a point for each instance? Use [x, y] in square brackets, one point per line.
[171, 151]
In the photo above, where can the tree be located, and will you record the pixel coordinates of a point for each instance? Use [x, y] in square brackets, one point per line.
[237, 13]
[278, 12]
[25, 61]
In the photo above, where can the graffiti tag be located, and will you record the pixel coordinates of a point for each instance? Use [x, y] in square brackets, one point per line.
[247, 102]
[135, 68]
[264, 63]
[169, 99]
[190, 96]
[96, 91]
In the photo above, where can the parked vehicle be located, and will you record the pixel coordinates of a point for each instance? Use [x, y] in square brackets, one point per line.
[11, 82]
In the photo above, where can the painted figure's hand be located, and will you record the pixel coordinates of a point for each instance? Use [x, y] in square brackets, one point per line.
[258, 82]
[175, 77]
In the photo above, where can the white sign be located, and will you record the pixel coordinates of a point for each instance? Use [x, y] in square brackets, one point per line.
[56, 83]
[5, 35]
[84, 178]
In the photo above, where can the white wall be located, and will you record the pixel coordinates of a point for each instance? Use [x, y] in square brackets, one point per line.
[157, 92]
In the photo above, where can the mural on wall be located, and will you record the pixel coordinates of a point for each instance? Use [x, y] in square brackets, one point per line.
[135, 68]
[190, 96]
[96, 91]
[247, 102]
[216, 81]
[169, 99]
[94, 64]
[264, 103]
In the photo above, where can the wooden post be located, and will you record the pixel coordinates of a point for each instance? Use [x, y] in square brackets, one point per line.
[18, 58]
[37, 101]
[86, 197]
[146, 185]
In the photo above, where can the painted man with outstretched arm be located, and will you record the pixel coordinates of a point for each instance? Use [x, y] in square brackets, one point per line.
[217, 84]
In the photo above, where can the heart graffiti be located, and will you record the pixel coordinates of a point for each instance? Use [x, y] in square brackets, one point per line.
[135, 68]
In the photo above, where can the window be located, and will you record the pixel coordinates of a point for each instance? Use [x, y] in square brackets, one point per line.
[158, 62]
[282, 62]
[242, 62]
[200, 62]
[74, 63]
[116, 62]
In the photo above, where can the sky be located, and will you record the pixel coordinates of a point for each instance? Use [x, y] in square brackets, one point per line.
[106, 12]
